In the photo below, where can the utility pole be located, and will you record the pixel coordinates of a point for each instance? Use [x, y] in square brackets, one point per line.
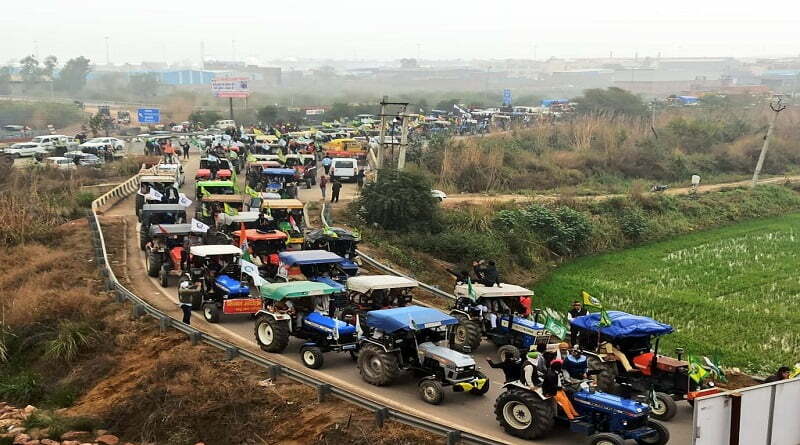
[386, 117]
[202, 55]
[401, 159]
[776, 107]
[230, 105]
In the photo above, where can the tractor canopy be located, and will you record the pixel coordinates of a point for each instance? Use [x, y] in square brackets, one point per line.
[170, 229]
[278, 171]
[230, 199]
[256, 235]
[367, 283]
[215, 250]
[215, 184]
[408, 318]
[303, 257]
[295, 289]
[281, 204]
[164, 208]
[502, 291]
[333, 234]
[622, 325]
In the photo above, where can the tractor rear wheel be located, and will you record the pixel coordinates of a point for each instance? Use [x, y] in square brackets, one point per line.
[524, 414]
[211, 312]
[660, 437]
[506, 351]
[484, 389]
[466, 336]
[312, 357]
[153, 260]
[376, 366]
[664, 408]
[606, 439]
[271, 335]
[431, 391]
[163, 275]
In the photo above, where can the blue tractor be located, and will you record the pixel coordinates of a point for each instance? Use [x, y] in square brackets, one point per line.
[498, 314]
[301, 309]
[607, 419]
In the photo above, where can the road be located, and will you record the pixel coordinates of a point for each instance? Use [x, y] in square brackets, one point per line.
[459, 411]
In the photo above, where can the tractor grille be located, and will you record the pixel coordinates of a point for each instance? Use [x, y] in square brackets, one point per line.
[464, 374]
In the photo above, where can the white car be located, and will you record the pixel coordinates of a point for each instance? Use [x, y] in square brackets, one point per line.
[60, 163]
[438, 194]
[344, 168]
[51, 140]
[116, 144]
[26, 149]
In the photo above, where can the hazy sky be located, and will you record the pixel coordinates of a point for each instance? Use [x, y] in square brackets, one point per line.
[442, 29]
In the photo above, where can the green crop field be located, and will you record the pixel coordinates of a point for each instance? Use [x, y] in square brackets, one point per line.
[731, 292]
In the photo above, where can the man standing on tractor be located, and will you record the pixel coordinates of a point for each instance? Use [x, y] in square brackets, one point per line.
[511, 366]
[530, 374]
[576, 311]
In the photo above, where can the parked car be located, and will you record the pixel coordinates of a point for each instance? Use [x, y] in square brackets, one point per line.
[59, 162]
[344, 168]
[26, 149]
[52, 140]
[116, 144]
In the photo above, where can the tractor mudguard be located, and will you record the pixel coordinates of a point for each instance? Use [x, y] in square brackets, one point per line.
[456, 312]
[518, 385]
[276, 315]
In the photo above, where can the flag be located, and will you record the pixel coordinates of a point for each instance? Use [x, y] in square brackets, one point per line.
[250, 158]
[605, 321]
[183, 200]
[293, 223]
[249, 268]
[212, 158]
[249, 190]
[230, 210]
[281, 156]
[198, 226]
[471, 291]
[235, 181]
[257, 132]
[555, 327]
[243, 239]
[204, 192]
[258, 281]
[269, 210]
[154, 194]
[716, 370]
[589, 300]
[696, 370]
[277, 133]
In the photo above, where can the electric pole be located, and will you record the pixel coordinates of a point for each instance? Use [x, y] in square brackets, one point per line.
[386, 117]
[776, 107]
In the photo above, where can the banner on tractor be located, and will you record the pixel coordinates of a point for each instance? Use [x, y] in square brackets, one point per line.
[241, 306]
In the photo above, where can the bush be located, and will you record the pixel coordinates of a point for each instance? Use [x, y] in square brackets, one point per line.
[564, 230]
[399, 200]
[57, 425]
[23, 387]
[633, 224]
[72, 337]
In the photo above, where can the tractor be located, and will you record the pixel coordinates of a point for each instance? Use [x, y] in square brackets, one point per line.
[216, 283]
[160, 183]
[497, 313]
[525, 412]
[301, 309]
[165, 251]
[288, 213]
[373, 292]
[340, 241]
[407, 339]
[266, 246]
[155, 214]
[312, 265]
[630, 364]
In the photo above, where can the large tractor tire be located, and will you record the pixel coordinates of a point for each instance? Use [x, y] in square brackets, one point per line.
[506, 351]
[153, 260]
[466, 336]
[664, 408]
[312, 357]
[163, 275]
[376, 366]
[524, 414]
[606, 439]
[431, 391]
[211, 312]
[661, 436]
[606, 380]
[271, 335]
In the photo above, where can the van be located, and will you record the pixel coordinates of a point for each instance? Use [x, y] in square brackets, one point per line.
[50, 141]
[344, 168]
[225, 124]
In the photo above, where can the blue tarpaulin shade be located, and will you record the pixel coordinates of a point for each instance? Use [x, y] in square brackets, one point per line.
[279, 171]
[623, 324]
[301, 257]
[407, 318]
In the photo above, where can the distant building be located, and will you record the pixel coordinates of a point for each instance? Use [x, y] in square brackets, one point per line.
[782, 80]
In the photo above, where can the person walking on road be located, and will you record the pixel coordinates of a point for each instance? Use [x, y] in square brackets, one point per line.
[323, 183]
[326, 164]
[335, 188]
[185, 302]
[360, 178]
[185, 148]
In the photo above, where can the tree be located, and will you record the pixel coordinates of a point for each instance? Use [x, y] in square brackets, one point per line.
[268, 114]
[399, 200]
[205, 118]
[614, 101]
[446, 105]
[30, 72]
[50, 63]
[144, 85]
[339, 110]
[72, 77]
[5, 78]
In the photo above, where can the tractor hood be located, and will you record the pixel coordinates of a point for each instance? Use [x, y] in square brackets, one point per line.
[609, 402]
[524, 326]
[232, 287]
[443, 355]
[328, 324]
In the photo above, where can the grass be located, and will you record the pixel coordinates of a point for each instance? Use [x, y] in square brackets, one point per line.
[729, 292]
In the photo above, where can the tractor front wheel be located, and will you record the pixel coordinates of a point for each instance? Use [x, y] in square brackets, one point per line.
[163, 275]
[606, 439]
[153, 262]
[431, 391]
[271, 335]
[524, 414]
[664, 407]
[211, 312]
[312, 357]
[466, 336]
[376, 366]
[506, 351]
[660, 434]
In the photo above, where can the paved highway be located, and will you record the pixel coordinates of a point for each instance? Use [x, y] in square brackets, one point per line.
[460, 411]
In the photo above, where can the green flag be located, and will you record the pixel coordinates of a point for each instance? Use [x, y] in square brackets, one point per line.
[230, 210]
[555, 327]
[471, 290]
[605, 320]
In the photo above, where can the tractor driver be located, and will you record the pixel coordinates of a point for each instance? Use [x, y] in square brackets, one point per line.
[553, 386]
[265, 223]
[490, 308]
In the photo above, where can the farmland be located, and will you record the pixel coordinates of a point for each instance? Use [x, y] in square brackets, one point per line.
[730, 292]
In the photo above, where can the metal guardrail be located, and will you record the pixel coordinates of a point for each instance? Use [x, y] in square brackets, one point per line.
[140, 307]
[386, 269]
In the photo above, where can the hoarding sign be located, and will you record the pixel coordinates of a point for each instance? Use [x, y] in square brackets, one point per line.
[230, 87]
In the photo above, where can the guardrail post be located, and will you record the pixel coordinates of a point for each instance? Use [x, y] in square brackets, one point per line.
[322, 391]
[164, 323]
[274, 371]
[195, 337]
[231, 353]
[137, 310]
[120, 297]
[453, 437]
[381, 415]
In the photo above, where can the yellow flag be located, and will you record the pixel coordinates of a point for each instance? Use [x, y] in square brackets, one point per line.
[230, 210]
[589, 300]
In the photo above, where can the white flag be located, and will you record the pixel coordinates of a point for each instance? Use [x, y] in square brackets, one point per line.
[249, 268]
[258, 281]
[198, 226]
[154, 194]
[183, 200]
[212, 158]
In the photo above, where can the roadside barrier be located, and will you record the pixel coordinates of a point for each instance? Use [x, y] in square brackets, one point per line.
[140, 307]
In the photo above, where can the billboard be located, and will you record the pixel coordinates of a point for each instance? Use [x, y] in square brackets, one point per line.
[148, 115]
[315, 111]
[230, 87]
